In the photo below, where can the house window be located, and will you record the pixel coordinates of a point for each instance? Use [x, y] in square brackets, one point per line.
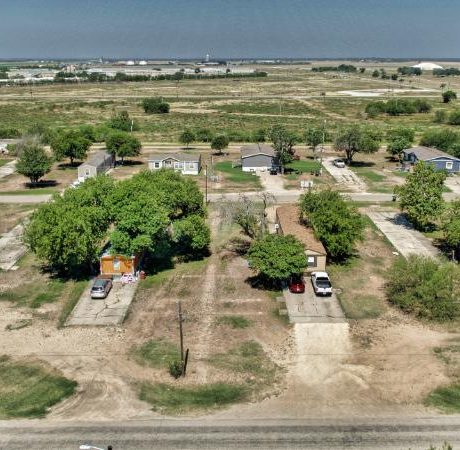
[178, 165]
[449, 165]
[190, 165]
[311, 261]
[156, 164]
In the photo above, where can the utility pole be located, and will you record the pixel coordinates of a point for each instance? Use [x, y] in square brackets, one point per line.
[206, 184]
[181, 332]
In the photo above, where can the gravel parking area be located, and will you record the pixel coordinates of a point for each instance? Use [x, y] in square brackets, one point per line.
[344, 176]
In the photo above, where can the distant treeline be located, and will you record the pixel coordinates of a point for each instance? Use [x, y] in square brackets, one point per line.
[120, 76]
[348, 68]
[405, 70]
[396, 107]
[446, 72]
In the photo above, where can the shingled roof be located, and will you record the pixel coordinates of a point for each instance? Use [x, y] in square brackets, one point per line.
[289, 222]
[257, 149]
[176, 156]
[428, 153]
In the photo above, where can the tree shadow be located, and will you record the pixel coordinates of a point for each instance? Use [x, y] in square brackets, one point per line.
[42, 184]
[263, 283]
[130, 162]
[362, 164]
[68, 165]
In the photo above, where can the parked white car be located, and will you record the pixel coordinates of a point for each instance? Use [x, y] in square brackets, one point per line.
[321, 283]
[340, 163]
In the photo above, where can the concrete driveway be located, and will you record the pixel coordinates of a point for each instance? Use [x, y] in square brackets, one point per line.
[453, 183]
[7, 169]
[402, 235]
[308, 308]
[101, 312]
[11, 247]
[344, 176]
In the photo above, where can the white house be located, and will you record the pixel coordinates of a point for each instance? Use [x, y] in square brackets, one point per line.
[186, 163]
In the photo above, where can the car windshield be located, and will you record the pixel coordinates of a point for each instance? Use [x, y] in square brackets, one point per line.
[323, 282]
[99, 284]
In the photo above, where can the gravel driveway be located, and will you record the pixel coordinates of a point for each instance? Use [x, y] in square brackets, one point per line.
[344, 176]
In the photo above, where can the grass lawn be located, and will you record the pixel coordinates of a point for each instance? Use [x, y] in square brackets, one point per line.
[156, 353]
[74, 295]
[28, 390]
[447, 399]
[34, 191]
[234, 321]
[171, 399]
[304, 166]
[34, 293]
[236, 174]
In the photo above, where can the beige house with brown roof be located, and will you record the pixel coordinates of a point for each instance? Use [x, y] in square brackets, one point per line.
[288, 222]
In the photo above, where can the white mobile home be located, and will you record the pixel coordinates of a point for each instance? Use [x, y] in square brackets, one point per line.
[186, 163]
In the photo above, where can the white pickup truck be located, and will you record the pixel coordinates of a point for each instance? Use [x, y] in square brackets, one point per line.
[321, 283]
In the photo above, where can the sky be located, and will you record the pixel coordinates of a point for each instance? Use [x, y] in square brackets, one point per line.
[229, 28]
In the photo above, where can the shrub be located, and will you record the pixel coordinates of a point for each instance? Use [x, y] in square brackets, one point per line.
[424, 287]
[9, 133]
[441, 138]
[449, 96]
[440, 116]
[454, 117]
[175, 369]
[155, 105]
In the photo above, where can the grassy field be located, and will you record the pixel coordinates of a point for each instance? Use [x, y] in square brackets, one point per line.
[28, 389]
[290, 95]
[156, 353]
[236, 177]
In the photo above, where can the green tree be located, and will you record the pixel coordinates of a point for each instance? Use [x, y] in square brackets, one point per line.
[314, 136]
[399, 139]
[155, 105]
[443, 139]
[122, 145]
[192, 235]
[283, 143]
[277, 257]
[33, 161]
[421, 195]
[187, 137]
[451, 227]
[335, 223]
[219, 143]
[375, 74]
[67, 233]
[356, 138]
[70, 144]
[424, 287]
[448, 96]
[122, 122]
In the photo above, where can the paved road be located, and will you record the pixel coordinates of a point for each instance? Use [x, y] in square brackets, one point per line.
[402, 235]
[396, 433]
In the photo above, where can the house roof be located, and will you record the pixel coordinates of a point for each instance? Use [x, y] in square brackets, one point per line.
[257, 149]
[428, 153]
[289, 221]
[97, 159]
[176, 156]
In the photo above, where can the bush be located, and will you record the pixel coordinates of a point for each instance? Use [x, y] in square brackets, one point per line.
[175, 369]
[9, 133]
[449, 96]
[122, 122]
[396, 107]
[454, 117]
[155, 105]
[424, 287]
[443, 139]
[440, 116]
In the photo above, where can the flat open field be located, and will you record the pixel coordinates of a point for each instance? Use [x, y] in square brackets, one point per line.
[292, 95]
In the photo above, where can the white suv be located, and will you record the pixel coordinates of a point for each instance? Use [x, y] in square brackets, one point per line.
[321, 283]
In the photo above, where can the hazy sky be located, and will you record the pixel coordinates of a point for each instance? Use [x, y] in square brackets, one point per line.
[229, 28]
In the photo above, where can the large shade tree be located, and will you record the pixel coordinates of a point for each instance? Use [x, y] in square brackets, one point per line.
[70, 144]
[122, 145]
[356, 138]
[420, 197]
[33, 161]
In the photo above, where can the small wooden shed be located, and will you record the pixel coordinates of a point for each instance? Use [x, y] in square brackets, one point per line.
[288, 222]
[117, 265]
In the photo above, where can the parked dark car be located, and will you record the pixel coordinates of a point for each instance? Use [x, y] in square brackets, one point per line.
[274, 170]
[101, 288]
[296, 285]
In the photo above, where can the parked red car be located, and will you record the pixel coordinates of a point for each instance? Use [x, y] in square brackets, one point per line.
[296, 285]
